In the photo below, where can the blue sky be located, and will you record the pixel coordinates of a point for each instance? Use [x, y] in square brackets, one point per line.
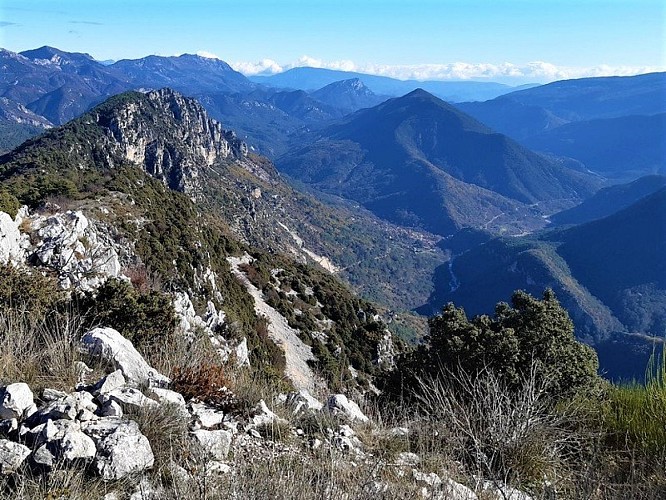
[476, 39]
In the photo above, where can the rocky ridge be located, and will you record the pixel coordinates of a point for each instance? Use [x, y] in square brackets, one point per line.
[174, 150]
[98, 427]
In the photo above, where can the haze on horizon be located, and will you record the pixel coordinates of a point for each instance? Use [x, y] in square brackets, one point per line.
[509, 41]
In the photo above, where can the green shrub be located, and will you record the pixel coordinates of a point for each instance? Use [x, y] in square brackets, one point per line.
[529, 334]
[142, 317]
[9, 204]
[21, 290]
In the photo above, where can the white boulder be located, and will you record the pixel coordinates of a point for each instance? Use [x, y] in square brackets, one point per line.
[83, 254]
[168, 396]
[206, 416]
[12, 456]
[75, 445]
[15, 400]
[121, 448]
[215, 444]
[242, 353]
[128, 397]
[407, 458]
[42, 458]
[10, 239]
[71, 407]
[338, 404]
[111, 409]
[426, 478]
[109, 345]
[456, 491]
[263, 415]
[114, 380]
[302, 401]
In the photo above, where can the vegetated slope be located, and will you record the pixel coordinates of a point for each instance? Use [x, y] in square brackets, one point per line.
[369, 252]
[61, 85]
[609, 274]
[53, 86]
[515, 119]
[609, 200]
[137, 162]
[266, 128]
[618, 148]
[620, 259]
[524, 113]
[605, 97]
[418, 161]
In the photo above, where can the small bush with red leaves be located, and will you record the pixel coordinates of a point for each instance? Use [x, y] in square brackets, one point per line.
[208, 384]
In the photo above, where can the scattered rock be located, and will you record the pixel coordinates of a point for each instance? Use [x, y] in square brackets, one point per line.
[51, 431]
[111, 409]
[10, 239]
[75, 445]
[495, 491]
[455, 491]
[263, 415]
[338, 404]
[42, 459]
[15, 400]
[145, 490]
[206, 416]
[70, 407]
[168, 396]
[375, 487]
[242, 353]
[215, 443]
[121, 448]
[217, 468]
[407, 458]
[12, 456]
[82, 372]
[302, 401]
[8, 426]
[426, 479]
[109, 345]
[49, 395]
[399, 432]
[128, 397]
[114, 380]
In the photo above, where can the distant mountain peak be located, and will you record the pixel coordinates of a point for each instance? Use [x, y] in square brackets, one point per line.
[347, 95]
[213, 61]
[419, 92]
[353, 84]
[56, 56]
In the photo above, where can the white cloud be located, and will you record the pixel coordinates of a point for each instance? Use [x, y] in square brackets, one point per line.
[263, 67]
[206, 54]
[537, 71]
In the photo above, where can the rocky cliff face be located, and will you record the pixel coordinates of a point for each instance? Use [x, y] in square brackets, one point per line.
[168, 135]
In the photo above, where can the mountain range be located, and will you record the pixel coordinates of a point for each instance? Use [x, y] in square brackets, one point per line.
[310, 79]
[614, 126]
[57, 86]
[179, 196]
[418, 161]
[408, 198]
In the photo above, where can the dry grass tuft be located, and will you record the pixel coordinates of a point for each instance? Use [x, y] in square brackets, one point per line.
[39, 350]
